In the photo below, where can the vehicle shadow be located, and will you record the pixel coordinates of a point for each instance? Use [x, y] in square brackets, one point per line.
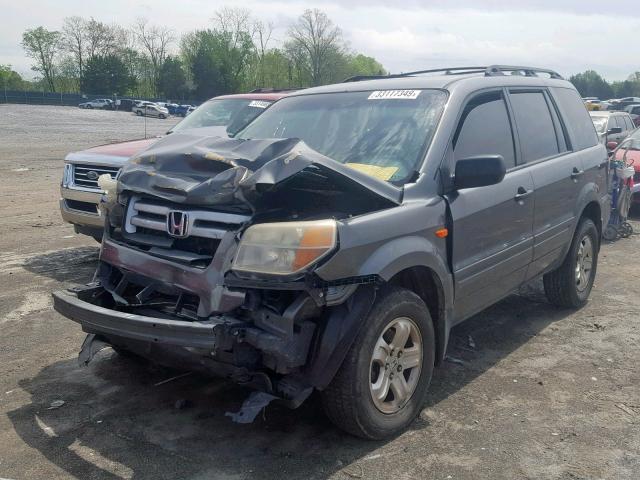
[68, 265]
[116, 420]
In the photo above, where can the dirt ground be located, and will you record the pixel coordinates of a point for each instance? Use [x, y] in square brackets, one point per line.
[531, 391]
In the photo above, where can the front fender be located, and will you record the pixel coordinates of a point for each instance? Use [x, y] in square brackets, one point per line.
[406, 252]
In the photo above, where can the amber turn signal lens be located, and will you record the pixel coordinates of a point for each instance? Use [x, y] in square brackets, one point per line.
[442, 232]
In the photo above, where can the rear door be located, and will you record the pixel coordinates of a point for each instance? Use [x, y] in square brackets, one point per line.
[492, 237]
[558, 175]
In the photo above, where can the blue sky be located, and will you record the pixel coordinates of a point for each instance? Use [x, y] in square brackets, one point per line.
[567, 35]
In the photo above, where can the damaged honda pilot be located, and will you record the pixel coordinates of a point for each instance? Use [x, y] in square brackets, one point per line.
[333, 243]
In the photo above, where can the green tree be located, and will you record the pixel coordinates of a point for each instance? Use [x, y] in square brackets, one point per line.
[42, 46]
[358, 64]
[107, 74]
[591, 84]
[172, 78]
[10, 79]
[217, 60]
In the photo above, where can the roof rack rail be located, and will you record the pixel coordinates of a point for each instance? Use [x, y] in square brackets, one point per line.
[272, 90]
[495, 70]
[490, 71]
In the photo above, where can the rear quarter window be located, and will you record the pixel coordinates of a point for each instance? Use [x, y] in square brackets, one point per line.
[576, 119]
[628, 122]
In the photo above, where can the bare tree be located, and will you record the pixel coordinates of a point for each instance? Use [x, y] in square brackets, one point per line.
[262, 35]
[316, 35]
[100, 38]
[155, 41]
[43, 46]
[74, 41]
[234, 22]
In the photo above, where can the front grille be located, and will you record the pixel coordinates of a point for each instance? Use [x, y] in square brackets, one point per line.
[145, 227]
[82, 176]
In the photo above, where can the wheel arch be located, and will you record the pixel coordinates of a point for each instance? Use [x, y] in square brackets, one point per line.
[593, 212]
[425, 282]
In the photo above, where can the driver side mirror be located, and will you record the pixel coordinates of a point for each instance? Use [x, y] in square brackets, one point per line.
[479, 171]
[614, 130]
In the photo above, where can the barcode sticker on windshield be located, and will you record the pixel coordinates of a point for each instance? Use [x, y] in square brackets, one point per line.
[259, 104]
[394, 95]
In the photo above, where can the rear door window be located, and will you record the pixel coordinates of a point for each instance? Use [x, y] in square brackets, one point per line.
[485, 129]
[535, 127]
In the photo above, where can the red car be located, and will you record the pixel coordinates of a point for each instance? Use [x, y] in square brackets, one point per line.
[629, 149]
[79, 191]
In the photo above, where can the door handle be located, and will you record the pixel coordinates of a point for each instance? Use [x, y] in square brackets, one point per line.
[522, 194]
[576, 173]
[603, 164]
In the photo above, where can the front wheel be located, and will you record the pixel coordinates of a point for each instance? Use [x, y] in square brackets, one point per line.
[570, 284]
[381, 385]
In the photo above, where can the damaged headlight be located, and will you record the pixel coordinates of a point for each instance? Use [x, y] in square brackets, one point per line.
[284, 248]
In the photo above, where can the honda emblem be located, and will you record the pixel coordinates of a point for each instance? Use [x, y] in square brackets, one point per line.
[178, 224]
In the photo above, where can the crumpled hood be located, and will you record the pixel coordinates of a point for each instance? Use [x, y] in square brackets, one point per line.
[189, 169]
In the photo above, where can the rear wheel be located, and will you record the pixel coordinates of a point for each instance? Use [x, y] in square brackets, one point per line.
[570, 284]
[90, 106]
[381, 385]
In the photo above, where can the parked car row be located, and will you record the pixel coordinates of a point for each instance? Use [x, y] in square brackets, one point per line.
[630, 105]
[332, 241]
[161, 110]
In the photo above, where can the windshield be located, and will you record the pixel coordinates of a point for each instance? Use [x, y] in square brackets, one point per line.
[632, 142]
[382, 133]
[600, 123]
[223, 112]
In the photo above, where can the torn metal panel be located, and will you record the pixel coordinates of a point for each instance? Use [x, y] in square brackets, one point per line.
[185, 169]
[251, 407]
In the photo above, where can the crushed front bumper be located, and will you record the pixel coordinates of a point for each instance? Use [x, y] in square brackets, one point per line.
[105, 321]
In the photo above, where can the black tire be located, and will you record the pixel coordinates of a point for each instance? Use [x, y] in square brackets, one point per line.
[138, 113]
[561, 286]
[348, 401]
[90, 107]
[128, 354]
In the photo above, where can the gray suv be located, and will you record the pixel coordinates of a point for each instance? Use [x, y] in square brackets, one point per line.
[334, 242]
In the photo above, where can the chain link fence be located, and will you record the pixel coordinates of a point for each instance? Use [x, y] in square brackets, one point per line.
[68, 99]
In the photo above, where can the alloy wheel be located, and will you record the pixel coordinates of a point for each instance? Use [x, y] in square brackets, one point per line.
[395, 365]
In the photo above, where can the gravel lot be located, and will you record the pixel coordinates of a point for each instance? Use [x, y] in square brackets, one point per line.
[533, 392]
